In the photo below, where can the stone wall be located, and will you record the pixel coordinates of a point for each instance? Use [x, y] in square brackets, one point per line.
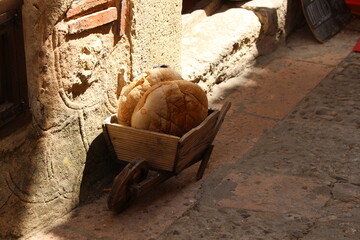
[238, 32]
[161, 42]
[78, 54]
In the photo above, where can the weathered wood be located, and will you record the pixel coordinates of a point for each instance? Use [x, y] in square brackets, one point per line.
[204, 162]
[162, 151]
[8, 5]
[325, 18]
[209, 6]
[109, 144]
[193, 144]
[121, 194]
[224, 109]
[158, 149]
[149, 183]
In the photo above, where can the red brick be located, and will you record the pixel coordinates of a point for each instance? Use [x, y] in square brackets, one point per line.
[93, 20]
[80, 7]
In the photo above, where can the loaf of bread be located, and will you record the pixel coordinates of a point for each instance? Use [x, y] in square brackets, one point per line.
[172, 107]
[131, 94]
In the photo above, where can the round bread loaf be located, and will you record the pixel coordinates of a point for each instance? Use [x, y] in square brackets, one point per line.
[171, 107]
[131, 94]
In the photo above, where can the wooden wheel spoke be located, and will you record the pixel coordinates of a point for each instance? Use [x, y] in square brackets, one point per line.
[122, 194]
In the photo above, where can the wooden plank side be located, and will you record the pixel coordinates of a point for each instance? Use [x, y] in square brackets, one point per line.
[193, 144]
[159, 150]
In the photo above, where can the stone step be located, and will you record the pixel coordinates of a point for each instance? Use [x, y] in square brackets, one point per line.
[219, 46]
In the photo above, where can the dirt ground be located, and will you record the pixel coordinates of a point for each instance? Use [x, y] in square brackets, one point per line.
[285, 163]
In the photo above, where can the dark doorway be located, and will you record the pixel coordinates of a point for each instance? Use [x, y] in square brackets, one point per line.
[13, 85]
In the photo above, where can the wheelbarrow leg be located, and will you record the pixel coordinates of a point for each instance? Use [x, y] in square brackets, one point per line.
[204, 162]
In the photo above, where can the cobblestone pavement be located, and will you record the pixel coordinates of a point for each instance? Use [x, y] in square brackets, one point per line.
[285, 163]
[300, 181]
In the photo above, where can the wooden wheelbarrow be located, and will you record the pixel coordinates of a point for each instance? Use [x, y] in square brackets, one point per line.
[166, 155]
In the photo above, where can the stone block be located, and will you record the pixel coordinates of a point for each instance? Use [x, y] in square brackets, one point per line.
[346, 192]
[274, 193]
[219, 46]
[155, 34]
[93, 20]
[278, 17]
[237, 34]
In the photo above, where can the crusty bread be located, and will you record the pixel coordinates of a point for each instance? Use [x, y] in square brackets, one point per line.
[171, 107]
[161, 74]
[131, 94]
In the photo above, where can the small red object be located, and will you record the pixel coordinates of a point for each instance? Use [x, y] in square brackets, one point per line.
[357, 46]
[354, 6]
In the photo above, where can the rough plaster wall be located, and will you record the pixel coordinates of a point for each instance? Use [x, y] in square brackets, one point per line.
[72, 82]
[156, 37]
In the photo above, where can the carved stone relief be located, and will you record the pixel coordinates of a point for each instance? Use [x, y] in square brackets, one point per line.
[78, 58]
[73, 84]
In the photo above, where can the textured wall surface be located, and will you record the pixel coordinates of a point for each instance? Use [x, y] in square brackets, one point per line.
[74, 66]
[221, 45]
[160, 43]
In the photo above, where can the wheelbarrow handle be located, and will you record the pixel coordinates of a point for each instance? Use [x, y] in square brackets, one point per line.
[208, 151]
[224, 109]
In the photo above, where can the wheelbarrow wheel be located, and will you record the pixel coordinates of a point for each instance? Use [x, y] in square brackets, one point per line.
[122, 194]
